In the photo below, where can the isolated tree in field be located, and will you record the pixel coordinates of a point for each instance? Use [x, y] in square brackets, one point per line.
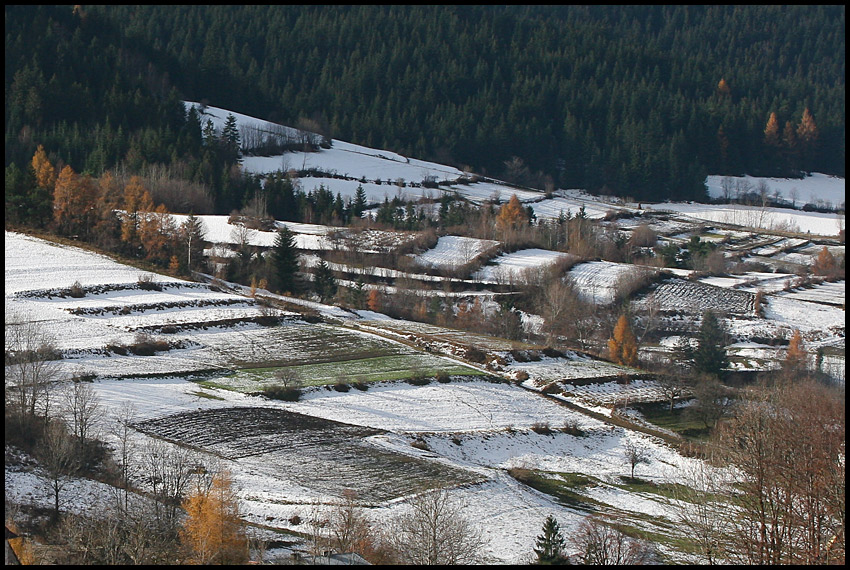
[285, 261]
[82, 410]
[599, 543]
[710, 354]
[213, 531]
[635, 455]
[435, 532]
[551, 544]
[672, 384]
[623, 346]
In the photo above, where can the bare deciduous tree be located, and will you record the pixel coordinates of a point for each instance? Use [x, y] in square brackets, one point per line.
[31, 368]
[82, 410]
[349, 526]
[635, 455]
[597, 542]
[435, 531]
[59, 458]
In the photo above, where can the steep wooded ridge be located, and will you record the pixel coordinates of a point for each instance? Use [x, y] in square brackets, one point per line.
[641, 101]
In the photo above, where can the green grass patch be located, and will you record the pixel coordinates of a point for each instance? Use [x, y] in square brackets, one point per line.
[206, 395]
[677, 420]
[374, 369]
[562, 486]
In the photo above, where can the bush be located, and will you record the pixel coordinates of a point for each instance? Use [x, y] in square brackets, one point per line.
[418, 379]
[571, 427]
[521, 376]
[552, 388]
[541, 428]
[360, 385]
[475, 355]
[552, 353]
[282, 393]
[77, 290]
[443, 377]
[146, 345]
[420, 444]
[342, 387]
[147, 283]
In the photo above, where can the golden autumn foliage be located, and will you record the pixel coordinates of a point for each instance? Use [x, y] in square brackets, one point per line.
[45, 173]
[137, 200]
[796, 358]
[213, 533]
[374, 302]
[623, 345]
[74, 199]
[512, 215]
[824, 263]
[771, 131]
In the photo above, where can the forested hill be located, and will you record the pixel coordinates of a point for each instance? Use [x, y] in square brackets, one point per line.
[635, 100]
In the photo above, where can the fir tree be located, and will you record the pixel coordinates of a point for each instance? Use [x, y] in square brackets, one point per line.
[359, 205]
[285, 261]
[551, 544]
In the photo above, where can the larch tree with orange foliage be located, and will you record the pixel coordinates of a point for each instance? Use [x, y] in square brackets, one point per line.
[137, 201]
[213, 532]
[824, 263]
[623, 345]
[45, 173]
[74, 198]
[796, 357]
[156, 234]
[512, 216]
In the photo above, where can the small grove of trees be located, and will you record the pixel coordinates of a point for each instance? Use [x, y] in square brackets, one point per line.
[786, 502]
[598, 542]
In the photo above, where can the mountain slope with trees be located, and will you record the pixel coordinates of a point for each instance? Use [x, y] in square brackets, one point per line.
[631, 100]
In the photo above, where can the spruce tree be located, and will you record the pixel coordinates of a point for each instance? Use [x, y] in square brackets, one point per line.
[325, 283]
[285, 261]
[551, 544]
[710, 354]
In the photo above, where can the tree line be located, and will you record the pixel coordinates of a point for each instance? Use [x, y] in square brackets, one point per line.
[632, 100]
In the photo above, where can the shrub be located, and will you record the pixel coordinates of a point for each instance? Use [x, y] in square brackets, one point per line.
[147, 283]
[287, 394]
[418, 379]
[295, 520]
[342, 387]
[476, 355]
[360, 385]
[551, 388]
[519, 356]
[571, 427]
[77, 290]
[443, 377]
[541, 428]
[420, 444]
[146, 345]
[552, 352]
[521, 376]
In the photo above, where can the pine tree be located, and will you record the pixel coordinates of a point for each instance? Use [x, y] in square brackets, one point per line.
[285, 261]
[710, 353]
[623, 345]
[213, 531]
[192, 235]
[551, 544]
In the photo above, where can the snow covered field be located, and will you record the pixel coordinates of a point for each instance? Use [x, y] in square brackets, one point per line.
[513, 267]
[472, 429]
[454, 251]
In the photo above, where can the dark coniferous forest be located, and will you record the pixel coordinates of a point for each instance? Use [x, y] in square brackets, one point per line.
[640, 101]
